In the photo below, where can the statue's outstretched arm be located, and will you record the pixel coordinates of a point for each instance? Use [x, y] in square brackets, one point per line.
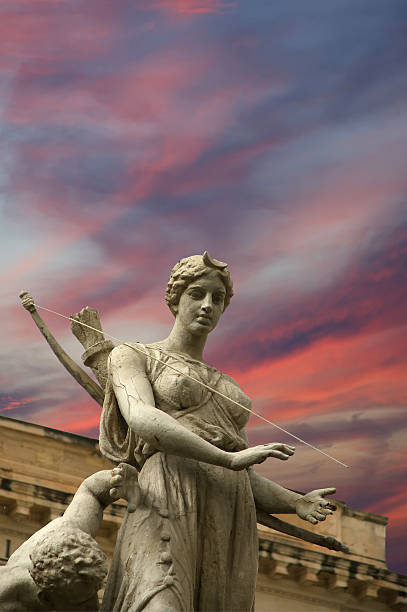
[269, 496]
[272, 498]
[275, 499]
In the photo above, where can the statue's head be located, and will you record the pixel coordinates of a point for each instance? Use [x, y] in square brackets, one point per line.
[190, 269]
[68, 568]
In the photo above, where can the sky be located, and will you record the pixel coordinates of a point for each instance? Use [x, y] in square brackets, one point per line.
[273, 135]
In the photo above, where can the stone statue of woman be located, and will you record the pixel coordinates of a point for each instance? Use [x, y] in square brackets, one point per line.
[191, 543]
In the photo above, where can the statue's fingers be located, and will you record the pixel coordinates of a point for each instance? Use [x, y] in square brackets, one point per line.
[325, 511]
[277, 452]
[311, 519]
[323, 492]
[286, 449]
[27, 301]
[325, 503]
[114, 493]
[279, 455]
[116, 480]
[319, 516]
[280, 446]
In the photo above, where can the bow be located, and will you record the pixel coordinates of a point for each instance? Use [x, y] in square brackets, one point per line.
[96, 357]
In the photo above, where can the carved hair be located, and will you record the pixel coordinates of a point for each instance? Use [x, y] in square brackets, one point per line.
[65, 556]
[190, 269]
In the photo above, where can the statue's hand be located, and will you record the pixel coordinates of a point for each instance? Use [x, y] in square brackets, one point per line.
[245, 458]
[312, 507]
[86, 336]
[27, 301]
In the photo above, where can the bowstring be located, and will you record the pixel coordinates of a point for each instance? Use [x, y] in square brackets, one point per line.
[251, 411]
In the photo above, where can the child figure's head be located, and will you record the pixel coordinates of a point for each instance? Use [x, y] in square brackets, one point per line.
[68, 568]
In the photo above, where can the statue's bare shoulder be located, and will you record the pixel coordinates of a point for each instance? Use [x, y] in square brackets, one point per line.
[230, 379]
[125, 356]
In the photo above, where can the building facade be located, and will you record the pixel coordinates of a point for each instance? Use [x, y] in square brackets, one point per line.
[41, 468]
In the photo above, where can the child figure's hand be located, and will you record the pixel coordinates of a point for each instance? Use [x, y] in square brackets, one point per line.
[124, 482]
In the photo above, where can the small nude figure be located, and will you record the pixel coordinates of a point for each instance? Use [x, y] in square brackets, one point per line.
[61, 566]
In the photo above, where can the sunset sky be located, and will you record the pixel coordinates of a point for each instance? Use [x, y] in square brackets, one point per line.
[272, 134]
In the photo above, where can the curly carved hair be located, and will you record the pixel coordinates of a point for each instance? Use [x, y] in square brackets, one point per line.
[65, 556]
[190, 269]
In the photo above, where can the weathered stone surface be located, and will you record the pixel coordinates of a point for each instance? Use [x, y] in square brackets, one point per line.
[190, 446]
[190, 539]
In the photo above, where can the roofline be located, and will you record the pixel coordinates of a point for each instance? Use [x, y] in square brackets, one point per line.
[54, 433]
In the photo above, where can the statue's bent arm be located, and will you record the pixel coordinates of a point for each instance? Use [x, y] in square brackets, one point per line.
[136, 403]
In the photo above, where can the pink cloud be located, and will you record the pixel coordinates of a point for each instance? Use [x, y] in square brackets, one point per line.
[147, 93]
[40, 33]
[191, 7]
[76, 416]
[12, 404]
[329, 373]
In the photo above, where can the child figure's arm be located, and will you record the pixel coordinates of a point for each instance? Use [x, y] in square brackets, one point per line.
[86, 508]
[95, 493]
[85, 512]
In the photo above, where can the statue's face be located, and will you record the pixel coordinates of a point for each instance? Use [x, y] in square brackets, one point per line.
[78, 596]
[201, 304]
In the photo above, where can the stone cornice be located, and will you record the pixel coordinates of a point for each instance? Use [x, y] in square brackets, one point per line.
[41, 504]
[308, 567]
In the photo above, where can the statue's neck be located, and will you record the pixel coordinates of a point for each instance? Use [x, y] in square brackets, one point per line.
[183, 341]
